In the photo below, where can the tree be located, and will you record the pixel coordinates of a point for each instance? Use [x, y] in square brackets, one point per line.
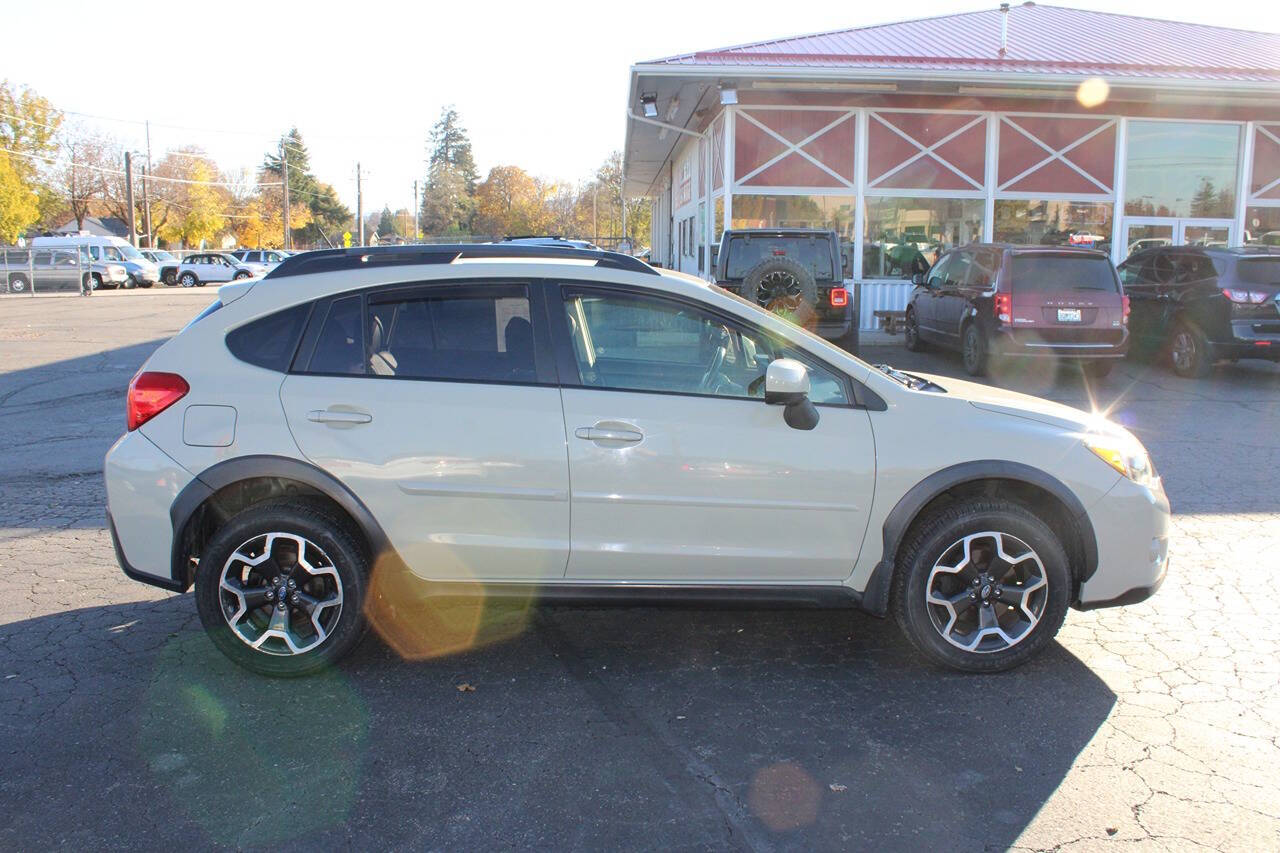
[1205, 202]
[29, 127]
[19, 205]
[387, 224]
[190, 213]
[599, 207]
[512, 202]
[314, 208]
[447, 201]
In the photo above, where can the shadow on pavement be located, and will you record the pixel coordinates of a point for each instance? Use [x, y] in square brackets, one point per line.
[588, 729]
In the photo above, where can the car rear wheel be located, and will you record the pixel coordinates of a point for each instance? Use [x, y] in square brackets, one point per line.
[188, 279]
[18, 284]
[1189, 352]
[280, 589]
[974, 351]
[95, 281]
[911, 332]
[981, 586]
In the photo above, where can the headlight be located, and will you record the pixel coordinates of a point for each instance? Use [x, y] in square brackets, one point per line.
[1124, 453]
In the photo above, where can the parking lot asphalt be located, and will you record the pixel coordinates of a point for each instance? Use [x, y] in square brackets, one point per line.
[571, 728]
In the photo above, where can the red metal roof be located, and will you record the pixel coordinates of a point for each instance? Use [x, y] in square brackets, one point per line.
[1042, 39]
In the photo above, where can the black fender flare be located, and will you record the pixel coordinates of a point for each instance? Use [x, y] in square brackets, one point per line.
[875, 596]
[223, 474]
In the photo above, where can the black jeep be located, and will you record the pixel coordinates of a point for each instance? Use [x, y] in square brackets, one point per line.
[795, 272]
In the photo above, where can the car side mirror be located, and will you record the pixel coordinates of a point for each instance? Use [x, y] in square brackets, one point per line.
[917, 278]
[786, 383]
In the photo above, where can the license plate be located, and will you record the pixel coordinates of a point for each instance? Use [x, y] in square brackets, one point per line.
[1068, 315]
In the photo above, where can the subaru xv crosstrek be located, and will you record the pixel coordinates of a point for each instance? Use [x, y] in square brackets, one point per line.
[997, 301]
[570, 424]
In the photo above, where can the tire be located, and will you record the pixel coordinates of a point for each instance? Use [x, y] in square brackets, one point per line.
[340, 570]
[974, 350]
[940, 543]
[18, 284]
[240, 276]
[189, 279]
[1189, 352]
[95, 281]
[146, 285]
[783, 286]
[1098, 369]
[129, 283]
[911, 332]
[169, 277]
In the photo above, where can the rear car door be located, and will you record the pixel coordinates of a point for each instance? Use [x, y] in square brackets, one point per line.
[436, 405]
[927, 302]
[680, 472]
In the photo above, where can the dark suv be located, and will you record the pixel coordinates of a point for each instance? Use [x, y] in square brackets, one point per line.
[796, 272]
[997, 300]
[1204, 304]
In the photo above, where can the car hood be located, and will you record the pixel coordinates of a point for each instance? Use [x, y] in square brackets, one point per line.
[1014, 403]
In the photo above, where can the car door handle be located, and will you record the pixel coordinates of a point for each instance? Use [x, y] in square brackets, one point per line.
[626, 436]
[330, 416]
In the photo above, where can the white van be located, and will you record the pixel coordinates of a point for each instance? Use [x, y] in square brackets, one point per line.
[141, 272]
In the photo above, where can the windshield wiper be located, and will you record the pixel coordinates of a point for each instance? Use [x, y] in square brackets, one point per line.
[915, 383]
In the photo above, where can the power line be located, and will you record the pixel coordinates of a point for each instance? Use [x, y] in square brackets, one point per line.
[150, 177]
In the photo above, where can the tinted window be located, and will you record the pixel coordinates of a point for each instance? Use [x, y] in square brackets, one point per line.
[746, 252]
[1259, 270]
[641, 343]
[1049, 273]
[982, 272]
[937, 276]
[269, 341]
[477, 334]
[958, 270]
[340, 345]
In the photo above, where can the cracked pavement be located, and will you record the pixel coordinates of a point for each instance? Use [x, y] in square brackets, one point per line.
[1155, 726]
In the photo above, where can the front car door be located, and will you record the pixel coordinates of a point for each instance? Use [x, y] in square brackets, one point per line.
[953, 297]
[436, 405]
[927, 302]
[680, 472]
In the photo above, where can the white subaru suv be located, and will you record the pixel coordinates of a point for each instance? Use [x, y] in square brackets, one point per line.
[322, 448]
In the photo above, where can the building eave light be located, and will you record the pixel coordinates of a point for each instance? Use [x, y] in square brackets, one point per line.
[649, 105]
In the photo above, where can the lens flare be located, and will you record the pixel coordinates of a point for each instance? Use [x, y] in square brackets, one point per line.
[1093, 92]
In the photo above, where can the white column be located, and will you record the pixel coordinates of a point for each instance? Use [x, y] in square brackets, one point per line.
[991, 177]
[860, 180]
[730, 115]
[1244, 183]
[1118, 245]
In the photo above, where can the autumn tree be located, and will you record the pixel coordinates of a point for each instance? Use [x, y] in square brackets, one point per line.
[19, 205]
[448, 199]
[29, 128]
[324, 212]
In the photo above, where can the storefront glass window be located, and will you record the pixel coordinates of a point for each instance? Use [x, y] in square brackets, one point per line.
[1183, 169]
[1054, 223]
[906, 235]
[1262, 226]
[835, 212]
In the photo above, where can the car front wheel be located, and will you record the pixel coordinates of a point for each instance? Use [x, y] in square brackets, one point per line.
[280, 589]
[981, 586]
[188, 279]
[911, 332]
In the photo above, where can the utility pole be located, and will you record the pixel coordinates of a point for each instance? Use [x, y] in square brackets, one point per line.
[128, 196]
[146, 200]
[595, 201]
[284, 170]
[359, 204]
[415, 211]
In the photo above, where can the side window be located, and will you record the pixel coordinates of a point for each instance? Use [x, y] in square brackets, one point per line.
[269, 341]
[642, 343]
[957, 270]
[112, 253]
[478, 334]
[95, 252]
[937, 275]
[982, 272]
[340, 345]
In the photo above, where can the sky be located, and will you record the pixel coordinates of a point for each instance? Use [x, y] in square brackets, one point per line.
[540, 86]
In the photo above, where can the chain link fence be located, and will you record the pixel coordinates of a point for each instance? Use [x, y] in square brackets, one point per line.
[33, 271]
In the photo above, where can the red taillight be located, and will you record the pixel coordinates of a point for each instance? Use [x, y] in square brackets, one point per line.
[1003, 306]
[1245, 297]
[1124, 300]
[839, 297]
[151, 393]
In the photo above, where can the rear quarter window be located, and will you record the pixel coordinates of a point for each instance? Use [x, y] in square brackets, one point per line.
[270, 341]
[1050, 273]
[1259, 271]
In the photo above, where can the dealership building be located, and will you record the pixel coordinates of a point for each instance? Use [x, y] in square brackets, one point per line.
[1025, 124]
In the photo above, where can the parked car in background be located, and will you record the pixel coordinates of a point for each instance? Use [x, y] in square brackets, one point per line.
[796, 272]
[268, 258]
[409, 408]
[140, 271]
[1200, 304]
[166, 263]
[1149, 243]
[991, 300]
[549, 240]
[199, 269]
[47, 271]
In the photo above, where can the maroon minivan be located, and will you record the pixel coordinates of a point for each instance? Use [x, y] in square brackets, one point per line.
[991, 300]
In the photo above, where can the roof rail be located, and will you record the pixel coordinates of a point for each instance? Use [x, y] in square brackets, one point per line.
[333, 260]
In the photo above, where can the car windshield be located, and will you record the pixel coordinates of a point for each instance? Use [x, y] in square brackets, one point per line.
[1044, 272]
[130, 253]
[162, 256]
[1259, 270]
[747, 250]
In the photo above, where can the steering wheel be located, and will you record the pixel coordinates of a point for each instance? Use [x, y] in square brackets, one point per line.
[713, 373]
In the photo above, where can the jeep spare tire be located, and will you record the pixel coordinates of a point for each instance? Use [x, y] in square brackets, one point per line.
[783, 286]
